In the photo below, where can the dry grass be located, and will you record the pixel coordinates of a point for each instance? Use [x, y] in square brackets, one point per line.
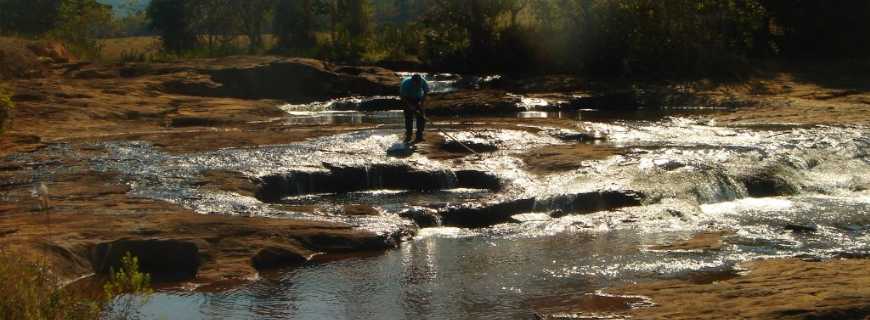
[30, 291]
[115, 49]
[6, 108]
[17, 61]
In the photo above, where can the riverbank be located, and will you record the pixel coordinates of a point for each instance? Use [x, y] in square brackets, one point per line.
[768, 289]
[791, 288]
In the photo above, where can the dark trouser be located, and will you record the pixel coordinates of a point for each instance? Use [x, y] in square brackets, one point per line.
[411, 111]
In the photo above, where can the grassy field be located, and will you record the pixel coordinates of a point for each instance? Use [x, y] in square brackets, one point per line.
[115, 49]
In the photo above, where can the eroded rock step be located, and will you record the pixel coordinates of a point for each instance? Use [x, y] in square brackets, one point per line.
[484, 215]
[341, 179]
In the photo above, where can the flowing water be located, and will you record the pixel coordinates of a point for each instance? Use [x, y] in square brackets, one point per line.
[532, 236]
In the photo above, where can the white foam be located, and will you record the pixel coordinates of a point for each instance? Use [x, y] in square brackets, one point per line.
[762, 204]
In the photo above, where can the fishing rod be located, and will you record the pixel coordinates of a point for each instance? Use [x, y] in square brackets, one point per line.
[421, 114]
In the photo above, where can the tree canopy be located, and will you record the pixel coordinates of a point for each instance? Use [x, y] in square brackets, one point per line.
[584, 36]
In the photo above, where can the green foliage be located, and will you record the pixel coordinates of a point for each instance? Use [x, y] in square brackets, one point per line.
[6, 108]
[132, 22]
[18, 17]
[127, 289]
[251, 15]
[80, 23]
[350, 27]
[599, 36]
[172, 19]
[398, 41]
[819, 28]
[32, 292]
[294, 24]
[590, 36]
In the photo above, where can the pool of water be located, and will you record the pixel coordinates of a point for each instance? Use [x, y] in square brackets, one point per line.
[494, 273]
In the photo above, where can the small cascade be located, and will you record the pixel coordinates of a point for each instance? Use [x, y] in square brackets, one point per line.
[717, 186]
[488, 214]
[588, 202]
[343, 179]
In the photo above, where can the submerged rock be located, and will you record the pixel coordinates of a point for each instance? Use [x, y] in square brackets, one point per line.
[278, 256]
[610, 100]
[801, 228]
[423, 217]
[769, 181]
[360, 210]
[476, 144]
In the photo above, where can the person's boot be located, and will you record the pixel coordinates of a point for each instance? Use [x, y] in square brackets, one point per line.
[419, 138]
[407, 138]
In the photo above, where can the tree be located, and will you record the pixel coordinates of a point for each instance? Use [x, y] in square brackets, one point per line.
[350, 26]
[28, 17]
[216, 20]
[172, 20]
[251, 14]
[294, 24]
[818, 28]
[81, 22]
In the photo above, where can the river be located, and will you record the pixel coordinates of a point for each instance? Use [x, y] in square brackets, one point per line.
[504, 240]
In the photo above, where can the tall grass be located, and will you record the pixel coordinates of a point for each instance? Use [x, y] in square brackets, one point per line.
[30, 291]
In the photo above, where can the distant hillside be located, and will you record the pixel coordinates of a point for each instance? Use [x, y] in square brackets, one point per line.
[118, 5]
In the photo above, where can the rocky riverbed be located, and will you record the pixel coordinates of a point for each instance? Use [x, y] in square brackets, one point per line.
[244, 165]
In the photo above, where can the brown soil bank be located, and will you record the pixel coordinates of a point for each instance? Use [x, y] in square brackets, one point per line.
[772, 289]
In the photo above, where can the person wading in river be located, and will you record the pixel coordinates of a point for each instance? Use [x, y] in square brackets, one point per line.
[413, 91]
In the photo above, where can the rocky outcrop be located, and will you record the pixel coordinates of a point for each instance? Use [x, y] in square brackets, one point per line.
[769, 289]
[484, 215]
[468, 102]
[487, 214]
[17, 61]
[485, 142]
[398, 176]
[589, 202]
[423, 217]
[279, 256]
[163, 258]
[611, 100]
[55, 52]
[360, 210]
[282, 78]
[769, 181]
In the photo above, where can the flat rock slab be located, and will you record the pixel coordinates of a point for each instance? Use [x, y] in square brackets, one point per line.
[772, 289]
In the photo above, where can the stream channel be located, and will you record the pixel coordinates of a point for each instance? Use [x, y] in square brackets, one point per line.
[485, 237]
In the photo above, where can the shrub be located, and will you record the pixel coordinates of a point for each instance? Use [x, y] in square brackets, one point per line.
[127, 289]
[6, 108]
[30, 291]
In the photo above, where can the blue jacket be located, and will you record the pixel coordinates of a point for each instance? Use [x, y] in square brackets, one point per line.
[409, 90]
